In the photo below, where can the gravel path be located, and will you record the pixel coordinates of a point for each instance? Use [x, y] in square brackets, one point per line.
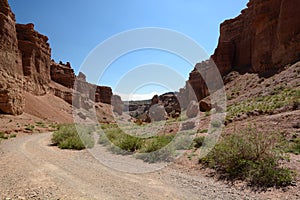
[31, 169]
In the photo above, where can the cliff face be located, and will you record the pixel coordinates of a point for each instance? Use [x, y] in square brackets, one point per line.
[63, 74]
[11, 99]
[262, 39]
[25, 64]
[36, 58]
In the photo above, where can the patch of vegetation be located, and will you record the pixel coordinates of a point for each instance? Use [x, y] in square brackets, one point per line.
[3, 136]
[162, 155]
[183, 142]
[278, 98]
[40, 124]
[202, 131]
[69, 136]
[29, 127]
[198, 142]
[294, 146]
[250, 155]
[207, 113]
[12, 135]
[150, 149]
[216, 123]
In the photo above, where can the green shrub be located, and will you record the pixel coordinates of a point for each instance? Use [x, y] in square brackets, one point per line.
[250, 155]
[155, 143]
[68, 137]
[294, 146]
[40, 124]
[29, 127]
[198, 141]
[202, 131]
[183, 142]
[162, 155]
[13, 135]
[151, 149]
[216, 123]
[3, 136]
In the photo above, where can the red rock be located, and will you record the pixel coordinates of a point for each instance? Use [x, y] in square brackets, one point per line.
[263, 39]
[36, 58]
[62, 74]
[11, 94]
[205, 105]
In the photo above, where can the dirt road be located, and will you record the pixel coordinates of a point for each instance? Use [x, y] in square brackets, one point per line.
[31, 169]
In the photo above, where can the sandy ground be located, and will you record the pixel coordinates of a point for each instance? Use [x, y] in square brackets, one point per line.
[32, 169]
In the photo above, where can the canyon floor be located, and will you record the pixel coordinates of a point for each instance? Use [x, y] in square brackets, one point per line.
[30, 168]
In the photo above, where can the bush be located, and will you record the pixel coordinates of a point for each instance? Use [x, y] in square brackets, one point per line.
[183, 142]
[155, 143]
[3, 136]
[162, 155]
[250, 155]
[68, 137]
[29, 127]
[294, 146]
[152, 149]
[198, 141]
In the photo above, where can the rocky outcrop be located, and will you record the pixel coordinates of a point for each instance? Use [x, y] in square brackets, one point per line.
[36, 58]
[25, 64]
[10, 57]
[262, 39]
[157, 113]
[11, 94]
[117, 104]
[62, 74]
[103, 94]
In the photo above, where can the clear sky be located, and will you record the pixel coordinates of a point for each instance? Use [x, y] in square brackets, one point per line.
[76, 27]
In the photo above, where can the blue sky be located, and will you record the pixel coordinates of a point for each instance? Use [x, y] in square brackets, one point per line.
[75, 28]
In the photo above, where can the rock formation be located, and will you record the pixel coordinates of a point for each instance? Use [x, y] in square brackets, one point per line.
[62, 74]
[117, 104]
[36, 58]
[262, 39]
[103, 94]
[11, 94]
[25, 64]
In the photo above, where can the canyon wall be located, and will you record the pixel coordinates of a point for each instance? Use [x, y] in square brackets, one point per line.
[36, 58]
[62, 74]
[11, 93]
[25, 65]
[262, 39]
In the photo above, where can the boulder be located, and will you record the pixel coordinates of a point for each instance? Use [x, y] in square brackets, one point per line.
[205, 105]
[157, 113]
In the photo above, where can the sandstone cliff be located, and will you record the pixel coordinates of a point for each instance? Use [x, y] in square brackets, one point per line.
[25, 65]
[262, 39]
[11, 99]
[62, 74]
[36, 58]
